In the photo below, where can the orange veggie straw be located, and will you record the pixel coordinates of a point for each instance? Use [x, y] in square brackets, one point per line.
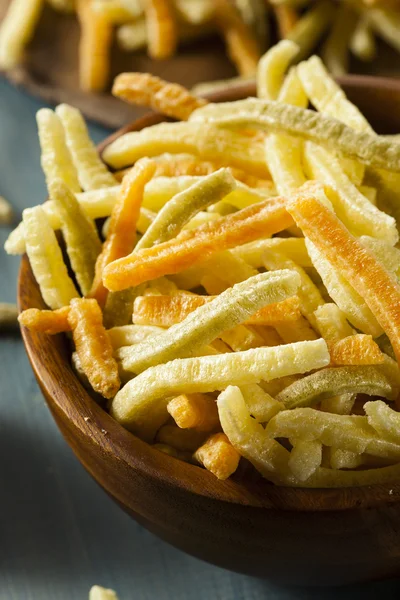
[363, 271]
[286, 18]
[122, 231]
[355, 350]
[46, 321]
[165, 311]
[162, 30]
[93, 346]
[240, 42]
[145, 89]
[256, 221]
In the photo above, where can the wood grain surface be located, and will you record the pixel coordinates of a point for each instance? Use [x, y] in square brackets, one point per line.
[238, 522]
[50, 69]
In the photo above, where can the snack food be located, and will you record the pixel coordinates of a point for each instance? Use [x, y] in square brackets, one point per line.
[160, 26]
[94, 47]
[100, 593]
[93, 346]
[6, 212]
[218, 456]
[8, 316]
[80, 234]
[46, 259]
[168, 98]
[240, 323]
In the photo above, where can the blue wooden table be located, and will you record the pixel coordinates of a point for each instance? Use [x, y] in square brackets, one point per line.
[59, 532]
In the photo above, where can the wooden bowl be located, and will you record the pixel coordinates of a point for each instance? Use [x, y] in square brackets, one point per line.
[292, 536]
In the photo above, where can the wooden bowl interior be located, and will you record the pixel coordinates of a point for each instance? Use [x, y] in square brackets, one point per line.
[91, 432]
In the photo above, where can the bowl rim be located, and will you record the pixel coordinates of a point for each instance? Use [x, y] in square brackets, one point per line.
[92, 422]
